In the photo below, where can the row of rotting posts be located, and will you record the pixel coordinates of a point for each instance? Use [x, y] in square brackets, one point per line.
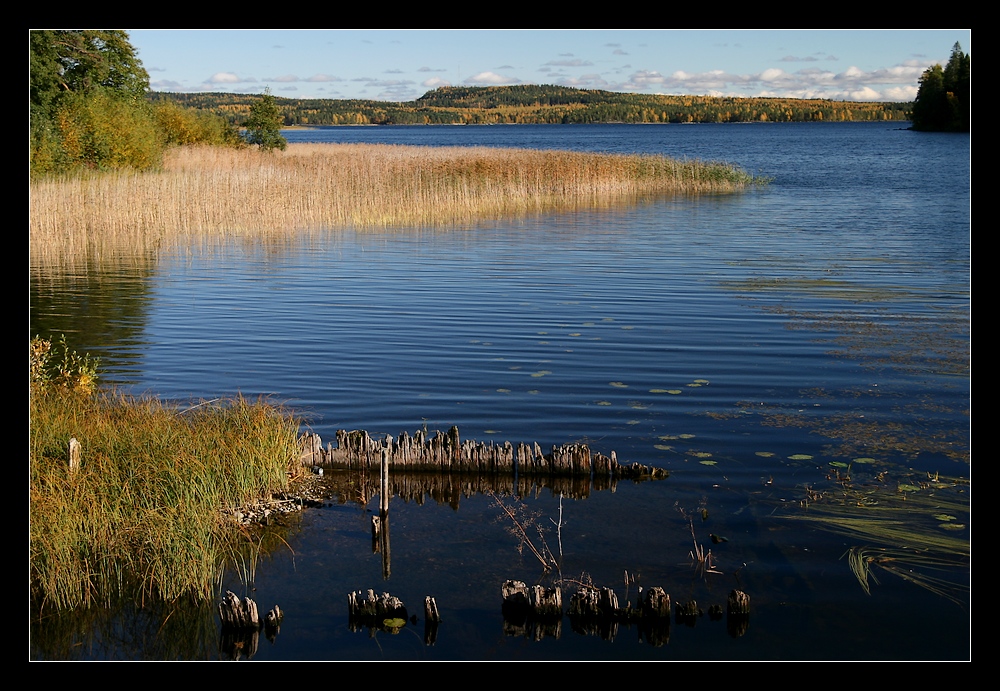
[536, 612]
[447, 452]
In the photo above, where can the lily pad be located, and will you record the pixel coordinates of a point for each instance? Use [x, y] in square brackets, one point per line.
[657, 391]
[952, 526]
[702, 454]
[685, 436]
[708, 462]
[904, 487]
[838, 464]
[618, 384]
[540, 373]
[700, 381]
[944, 517]
[800, 457]
[668, 437]
[394, 623]
[604, 403]
[864, 460]
[675, 392]
[663, 447]
[503, 390]
[764, 454]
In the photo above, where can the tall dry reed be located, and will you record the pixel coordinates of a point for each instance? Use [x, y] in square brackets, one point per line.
[219, 191]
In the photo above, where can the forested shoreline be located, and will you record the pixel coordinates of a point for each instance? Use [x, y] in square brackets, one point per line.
[543, 104]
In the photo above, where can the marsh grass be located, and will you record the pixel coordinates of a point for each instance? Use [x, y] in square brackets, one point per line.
[143, 516]
[220, 191]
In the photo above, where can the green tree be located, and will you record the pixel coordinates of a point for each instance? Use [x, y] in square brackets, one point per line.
[943, 101]
[264, 124]
[86, 99]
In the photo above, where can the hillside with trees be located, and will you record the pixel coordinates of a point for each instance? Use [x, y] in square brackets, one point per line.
[943, 101]
[543, 104]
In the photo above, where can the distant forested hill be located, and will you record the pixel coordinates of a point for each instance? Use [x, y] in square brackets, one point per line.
[533, 104]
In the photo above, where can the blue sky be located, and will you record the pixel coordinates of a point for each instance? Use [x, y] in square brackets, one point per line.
[401, 65]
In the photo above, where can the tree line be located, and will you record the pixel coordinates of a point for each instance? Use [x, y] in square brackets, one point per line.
[543, 104]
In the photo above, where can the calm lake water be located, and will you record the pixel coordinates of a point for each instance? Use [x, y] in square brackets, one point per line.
[762, 347]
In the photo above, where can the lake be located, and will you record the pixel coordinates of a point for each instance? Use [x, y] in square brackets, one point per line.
[797, 357]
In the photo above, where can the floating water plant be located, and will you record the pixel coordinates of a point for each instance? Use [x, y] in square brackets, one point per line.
[899, 533]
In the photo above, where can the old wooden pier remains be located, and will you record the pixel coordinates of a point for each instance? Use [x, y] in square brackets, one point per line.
[447, 452]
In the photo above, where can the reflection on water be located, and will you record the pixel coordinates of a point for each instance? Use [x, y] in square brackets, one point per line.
[797, 358]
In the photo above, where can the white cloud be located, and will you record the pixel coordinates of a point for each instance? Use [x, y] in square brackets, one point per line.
[435, 82]
[284, 78]
[323, 78]
[491, 78]
[901, 93]
[225, 78]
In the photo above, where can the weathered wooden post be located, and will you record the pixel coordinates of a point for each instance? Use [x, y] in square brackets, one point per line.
[383, 502]
[74, 455]
[738, 611]
[383, 537]
[432, 618]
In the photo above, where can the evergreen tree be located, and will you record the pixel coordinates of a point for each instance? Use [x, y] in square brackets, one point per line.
[944, 98]
[264, 124]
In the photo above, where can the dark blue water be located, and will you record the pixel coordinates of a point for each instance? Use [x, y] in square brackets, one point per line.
[824, 317]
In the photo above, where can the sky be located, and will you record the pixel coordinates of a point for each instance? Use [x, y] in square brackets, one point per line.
[402, 65]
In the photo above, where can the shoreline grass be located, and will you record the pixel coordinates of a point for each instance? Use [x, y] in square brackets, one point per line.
[143, 516]
[217, 191]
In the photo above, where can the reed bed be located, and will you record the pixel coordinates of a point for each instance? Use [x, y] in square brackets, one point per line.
[143, 517]
[220, 191]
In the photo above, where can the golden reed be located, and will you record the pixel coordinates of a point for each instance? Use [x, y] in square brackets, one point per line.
[215, 191]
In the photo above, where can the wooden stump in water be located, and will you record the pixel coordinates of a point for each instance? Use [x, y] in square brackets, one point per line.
[431, 610]
[656, 603]
[310, 450]
[738, 603]
[546, 603]
[738, 609]
[374, 607]
[687, 612]
[238, 614]
[516, 603]
[272, 623]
